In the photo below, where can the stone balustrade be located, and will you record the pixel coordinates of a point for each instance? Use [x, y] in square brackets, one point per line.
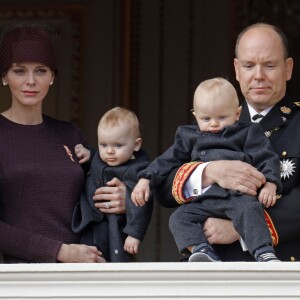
[238, 280]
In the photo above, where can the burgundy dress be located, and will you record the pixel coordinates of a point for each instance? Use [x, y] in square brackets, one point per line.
[40, 182]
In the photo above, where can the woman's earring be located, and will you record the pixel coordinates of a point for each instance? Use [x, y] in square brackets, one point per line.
[51, 82]
[4, 83]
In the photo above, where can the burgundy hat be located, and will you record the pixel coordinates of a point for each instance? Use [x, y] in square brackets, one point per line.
[27, 44]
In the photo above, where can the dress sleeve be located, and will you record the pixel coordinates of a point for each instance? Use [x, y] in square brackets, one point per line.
[28, 246]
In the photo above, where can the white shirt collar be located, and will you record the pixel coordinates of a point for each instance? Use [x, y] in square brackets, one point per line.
[253, 112]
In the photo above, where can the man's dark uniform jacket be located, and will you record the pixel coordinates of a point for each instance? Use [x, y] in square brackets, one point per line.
[108, 231]
[282, 126]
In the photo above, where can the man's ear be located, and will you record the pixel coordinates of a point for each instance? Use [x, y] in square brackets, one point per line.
[138, 144]
[289, 68]
[236, 68]
[238, 113]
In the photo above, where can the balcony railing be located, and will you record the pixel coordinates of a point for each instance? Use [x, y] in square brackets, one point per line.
[151, 281]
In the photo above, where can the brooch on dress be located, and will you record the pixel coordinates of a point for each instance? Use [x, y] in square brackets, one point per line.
[287, 168]
[69, 153]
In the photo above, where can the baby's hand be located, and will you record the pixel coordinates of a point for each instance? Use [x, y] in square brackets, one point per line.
[267, 195]
[141, 192]
[82, 153]
[131, 245]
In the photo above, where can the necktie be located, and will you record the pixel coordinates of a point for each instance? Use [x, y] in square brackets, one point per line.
[257, 117]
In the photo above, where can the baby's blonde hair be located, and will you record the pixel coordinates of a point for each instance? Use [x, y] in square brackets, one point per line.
[215, 88]
[118, 115]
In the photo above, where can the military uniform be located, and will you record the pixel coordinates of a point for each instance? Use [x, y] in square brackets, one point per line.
[282, 126]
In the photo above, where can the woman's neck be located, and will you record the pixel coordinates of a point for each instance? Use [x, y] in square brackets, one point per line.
[24, 117]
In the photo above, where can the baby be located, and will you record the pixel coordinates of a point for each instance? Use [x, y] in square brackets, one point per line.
[218, 135]
[119, 155]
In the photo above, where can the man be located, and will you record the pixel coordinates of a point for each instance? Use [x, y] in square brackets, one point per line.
[262, 67]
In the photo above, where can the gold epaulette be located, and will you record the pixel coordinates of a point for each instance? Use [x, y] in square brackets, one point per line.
[273, 232]
[181, 176]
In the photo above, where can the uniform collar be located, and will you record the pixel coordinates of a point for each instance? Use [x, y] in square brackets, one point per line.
[253, 112]
[276, 117]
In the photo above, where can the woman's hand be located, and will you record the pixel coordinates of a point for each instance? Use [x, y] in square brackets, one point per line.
[76, 253]
[234, 175]
[111, 197]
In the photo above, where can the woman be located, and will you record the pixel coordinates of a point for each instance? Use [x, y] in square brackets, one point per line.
[40, 176]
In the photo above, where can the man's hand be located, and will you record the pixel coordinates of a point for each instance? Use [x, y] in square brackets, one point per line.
[234, 175]
[220, 231]
[111, 197]
[75, 253]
